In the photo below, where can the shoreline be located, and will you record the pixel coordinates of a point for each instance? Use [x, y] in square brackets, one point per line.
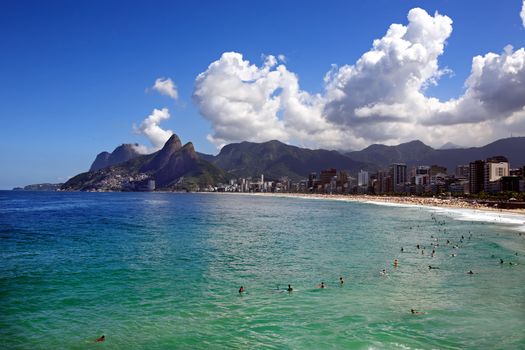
[391, 200]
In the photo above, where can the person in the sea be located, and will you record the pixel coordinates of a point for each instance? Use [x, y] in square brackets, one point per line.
[322, 285]
[341, 280]
[501, 261]
[402, 250]
[383, 273]
[241, 290]
[101, 339]
[470, 272]
[290, 289]
[395, 262]
[415, 312]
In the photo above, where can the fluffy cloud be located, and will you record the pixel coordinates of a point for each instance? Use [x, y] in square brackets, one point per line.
[238, 98]
[495, 90]
[380, 98]
[151, 129]
[387, 82]
[165, 86]
[522, 14]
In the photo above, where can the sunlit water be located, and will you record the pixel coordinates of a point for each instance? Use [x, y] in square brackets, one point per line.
[162, 271]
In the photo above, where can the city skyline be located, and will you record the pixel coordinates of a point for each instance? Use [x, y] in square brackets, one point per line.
[81, 79]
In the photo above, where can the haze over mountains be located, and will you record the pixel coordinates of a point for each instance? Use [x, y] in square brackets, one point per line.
[274, 159]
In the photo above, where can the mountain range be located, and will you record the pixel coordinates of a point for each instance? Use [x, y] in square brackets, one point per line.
[274, 159]
[171, 167]
[416, 152]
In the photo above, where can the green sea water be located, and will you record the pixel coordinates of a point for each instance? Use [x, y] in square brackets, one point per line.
[162, 271]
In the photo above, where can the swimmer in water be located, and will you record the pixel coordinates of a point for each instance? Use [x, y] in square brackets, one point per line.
[402, 250]
[383, 272]
[415, 312]
[290, 289]
[241, 290]
[395, 262]
[341, 280]
[452, 254]
[322, 286]
[101, 339]
[470, 272]
[501, 261]
[433, 267]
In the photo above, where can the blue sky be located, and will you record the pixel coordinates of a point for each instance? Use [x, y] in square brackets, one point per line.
[76, 75]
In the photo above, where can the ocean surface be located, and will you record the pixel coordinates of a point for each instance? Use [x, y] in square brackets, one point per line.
[162, 271]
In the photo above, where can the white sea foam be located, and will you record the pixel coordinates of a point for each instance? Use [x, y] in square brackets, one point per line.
[513, 220]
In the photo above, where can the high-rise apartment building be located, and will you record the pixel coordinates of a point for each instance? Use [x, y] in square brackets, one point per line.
[362, 178]
[476, 176]
[398, 172]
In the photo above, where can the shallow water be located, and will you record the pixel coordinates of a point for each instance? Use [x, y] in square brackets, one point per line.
[162, 270]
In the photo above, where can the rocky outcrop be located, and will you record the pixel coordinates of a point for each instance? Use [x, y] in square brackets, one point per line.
[121, 154]
[173, 167]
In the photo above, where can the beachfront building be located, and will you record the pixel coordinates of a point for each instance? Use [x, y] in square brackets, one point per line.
[362, 181]
[419, 178]
[328, 180]
[383, 183]
[312, 179]
[398, 173]
[362, 178]
[476, 176]
[327, 175]
[462, 171]
[495, 168]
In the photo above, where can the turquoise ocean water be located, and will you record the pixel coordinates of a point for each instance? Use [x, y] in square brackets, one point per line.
[162, 271]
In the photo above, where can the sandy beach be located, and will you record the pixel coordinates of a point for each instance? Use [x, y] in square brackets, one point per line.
[409, 201]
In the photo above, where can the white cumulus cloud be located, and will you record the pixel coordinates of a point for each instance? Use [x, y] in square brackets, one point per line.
[522, 13]
[379, 98]
[166, 86]
[237, 97]
[387, 82]
[495, 90]
[150, 127]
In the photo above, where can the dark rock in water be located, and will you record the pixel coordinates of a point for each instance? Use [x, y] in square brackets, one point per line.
[121, 154]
